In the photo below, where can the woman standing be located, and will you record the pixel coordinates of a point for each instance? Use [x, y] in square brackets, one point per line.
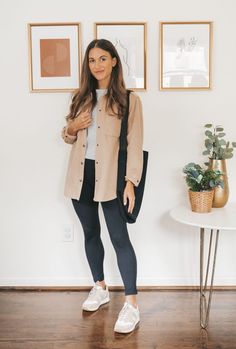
[93, 127]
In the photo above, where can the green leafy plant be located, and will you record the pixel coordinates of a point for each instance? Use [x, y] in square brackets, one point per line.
[200, 179]
[216, 146]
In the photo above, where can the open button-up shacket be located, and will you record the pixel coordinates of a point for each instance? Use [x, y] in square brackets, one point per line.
[107, 148]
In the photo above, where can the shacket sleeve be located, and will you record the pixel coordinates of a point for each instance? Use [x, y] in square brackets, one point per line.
[135, 141]
[68, 138]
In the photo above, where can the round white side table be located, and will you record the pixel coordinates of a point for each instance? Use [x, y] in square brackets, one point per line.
[217, 220]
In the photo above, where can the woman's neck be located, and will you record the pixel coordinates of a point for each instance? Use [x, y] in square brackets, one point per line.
[104, 83]
[102, 86]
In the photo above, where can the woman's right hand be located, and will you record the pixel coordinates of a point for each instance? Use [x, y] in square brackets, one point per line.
[82, 121]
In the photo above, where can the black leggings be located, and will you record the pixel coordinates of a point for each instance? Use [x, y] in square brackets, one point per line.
[87, 211]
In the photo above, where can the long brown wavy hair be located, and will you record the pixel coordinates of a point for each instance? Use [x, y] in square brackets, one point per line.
[85, 97]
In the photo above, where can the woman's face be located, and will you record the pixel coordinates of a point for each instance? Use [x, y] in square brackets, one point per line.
[100, 65]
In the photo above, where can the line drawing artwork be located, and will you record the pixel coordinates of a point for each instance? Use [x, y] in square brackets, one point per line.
[183, 48]
[124, 53]
[129, 39]
[190, 46]
[186, 55]
[186, 65]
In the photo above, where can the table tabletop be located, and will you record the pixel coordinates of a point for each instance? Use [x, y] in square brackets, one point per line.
[219, 218]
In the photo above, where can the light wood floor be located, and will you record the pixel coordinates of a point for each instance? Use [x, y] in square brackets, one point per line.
[169, 320]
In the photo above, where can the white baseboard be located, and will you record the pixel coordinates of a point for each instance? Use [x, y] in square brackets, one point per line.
[115, 281]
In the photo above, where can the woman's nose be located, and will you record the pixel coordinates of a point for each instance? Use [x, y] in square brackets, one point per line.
[97, 64]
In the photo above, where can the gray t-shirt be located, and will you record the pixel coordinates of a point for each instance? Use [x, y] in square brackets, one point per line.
[91, 130]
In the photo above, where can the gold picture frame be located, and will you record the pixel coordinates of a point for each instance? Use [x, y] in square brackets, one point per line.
[186, 55]
[54, 56]
[130, 40]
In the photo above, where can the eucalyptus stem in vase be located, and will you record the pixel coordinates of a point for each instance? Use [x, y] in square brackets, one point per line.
[218, 151]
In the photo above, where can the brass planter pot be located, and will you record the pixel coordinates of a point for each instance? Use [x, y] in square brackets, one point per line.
[201, 201]
[221, 194]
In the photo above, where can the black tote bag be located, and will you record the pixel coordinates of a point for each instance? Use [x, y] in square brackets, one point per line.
[121, 183]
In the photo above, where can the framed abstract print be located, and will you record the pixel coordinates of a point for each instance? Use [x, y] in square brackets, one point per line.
[54, 56]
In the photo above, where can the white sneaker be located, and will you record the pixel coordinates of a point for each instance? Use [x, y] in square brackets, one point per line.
[97, 296]
[128, 319]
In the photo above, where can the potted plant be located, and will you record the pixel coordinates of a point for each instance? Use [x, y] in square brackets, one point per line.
[201, 183]
[218, 150]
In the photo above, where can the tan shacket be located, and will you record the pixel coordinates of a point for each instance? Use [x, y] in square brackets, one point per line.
[107, 148]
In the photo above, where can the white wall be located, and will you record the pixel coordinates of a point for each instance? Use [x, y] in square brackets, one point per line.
[34, 158]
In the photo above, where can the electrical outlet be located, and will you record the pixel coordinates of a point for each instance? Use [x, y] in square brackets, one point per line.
[68, 232]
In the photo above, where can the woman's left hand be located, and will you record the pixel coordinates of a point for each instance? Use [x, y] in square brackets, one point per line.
[129, 194]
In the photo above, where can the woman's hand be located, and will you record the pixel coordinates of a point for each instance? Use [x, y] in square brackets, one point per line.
[82, 121]
[129, 194]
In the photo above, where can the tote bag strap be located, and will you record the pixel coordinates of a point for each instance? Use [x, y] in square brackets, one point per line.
[124, 126]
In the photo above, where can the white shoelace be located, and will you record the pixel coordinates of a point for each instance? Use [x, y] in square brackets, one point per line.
[124, 314]
[92, 293]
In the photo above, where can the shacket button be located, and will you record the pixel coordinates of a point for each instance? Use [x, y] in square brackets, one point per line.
[80, 180]
[100, 109]
[97, 145]
[96, 180]
[98, 126]
[83, 145]
[82, 163]
[96, 162]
